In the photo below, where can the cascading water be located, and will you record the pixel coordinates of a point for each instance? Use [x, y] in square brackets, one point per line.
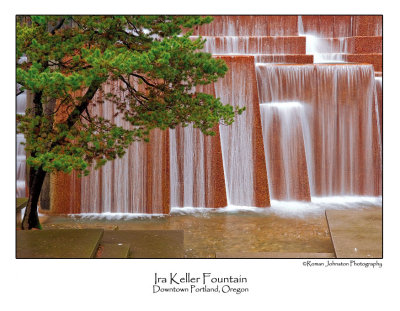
[236, 140]
[21, 155]
[324, 50]
[313, 130]
[187, 169]
[340, 117]
[131, 184]
[285, 131]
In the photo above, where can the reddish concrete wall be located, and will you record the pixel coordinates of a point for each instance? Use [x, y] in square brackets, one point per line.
[342, 26]
[106, 190]
[208, 172]
[287, 58]
[368, 25]
[245, 65]
[299, 188]
[65, 193]
[256, 45]
[245, 25]
[374, 59]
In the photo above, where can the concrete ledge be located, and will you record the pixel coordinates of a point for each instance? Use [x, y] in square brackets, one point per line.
[58, 243]
[356, 233]
[119, 250]
[273, 255]
[149, 243]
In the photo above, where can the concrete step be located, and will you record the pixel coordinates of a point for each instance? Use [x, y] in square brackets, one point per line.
[254, 25]
[284, 58]
[333, 26]
[58, 243]
[108, 250]
[273, 255]
[148, 243]
[255, 45]
[374, 58]
[356, 233]
[350, 45]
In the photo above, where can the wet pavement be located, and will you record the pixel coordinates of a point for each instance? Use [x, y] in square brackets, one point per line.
[291, 229]
[208, 233]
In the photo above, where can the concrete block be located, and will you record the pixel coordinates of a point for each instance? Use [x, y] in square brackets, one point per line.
[58, 243]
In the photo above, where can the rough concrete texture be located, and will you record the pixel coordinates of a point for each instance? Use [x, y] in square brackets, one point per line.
[149, 243]
[58, 243]
[255, 45]
[286, 58]
[273, 255]
[145, 165]
[113, 251]
[356, 233]
[199, 157]
[65, 193]
[343, 26]
[351, 45]
[341, 106]
[245, 65]
[248, 25]
[374, 58]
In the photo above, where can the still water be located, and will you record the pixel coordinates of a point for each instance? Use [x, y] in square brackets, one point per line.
[284, 227]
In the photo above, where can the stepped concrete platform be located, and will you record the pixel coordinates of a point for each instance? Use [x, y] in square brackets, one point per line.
[332, 26]
[375, 59]
[149, 243]
[256, 25]
[255, 45]
[356, 233]
[284, 58]
[58, 243]
[113, 251]
[351, 45]
[273, 255]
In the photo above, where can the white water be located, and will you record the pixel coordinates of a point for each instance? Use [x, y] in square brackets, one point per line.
[193, 182]
[339, 104]
[249, 45]
[21, 155]
[324, 50]
[291, 147]
[287, 209]
[130, 184]
[236, 140]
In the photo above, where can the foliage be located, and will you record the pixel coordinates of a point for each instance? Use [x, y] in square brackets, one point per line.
[72, 59]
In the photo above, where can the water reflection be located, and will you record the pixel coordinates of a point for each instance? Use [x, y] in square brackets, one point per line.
[285, 227]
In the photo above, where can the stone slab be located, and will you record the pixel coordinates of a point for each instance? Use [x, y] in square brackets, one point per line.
[149, 243]
[118, 250]
[21, 203]
[273, 255]
[356, 233]
[58, 243]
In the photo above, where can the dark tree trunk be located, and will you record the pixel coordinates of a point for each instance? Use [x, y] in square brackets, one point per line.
[31, 217]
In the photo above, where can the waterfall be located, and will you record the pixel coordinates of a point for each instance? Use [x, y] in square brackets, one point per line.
[312, 127]
[21, 155]
[284, 142]
[132, 184]
[236, 140]
[338, 110]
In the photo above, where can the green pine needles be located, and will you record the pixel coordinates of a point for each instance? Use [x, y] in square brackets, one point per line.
[70, 59]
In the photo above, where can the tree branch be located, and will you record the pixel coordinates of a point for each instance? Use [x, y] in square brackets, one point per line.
[143, 79]
[58, 26]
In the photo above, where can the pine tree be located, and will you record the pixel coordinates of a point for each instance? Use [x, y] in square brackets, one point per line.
[70, 58]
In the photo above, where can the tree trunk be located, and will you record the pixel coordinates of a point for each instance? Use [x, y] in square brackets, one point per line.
[31, 217]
